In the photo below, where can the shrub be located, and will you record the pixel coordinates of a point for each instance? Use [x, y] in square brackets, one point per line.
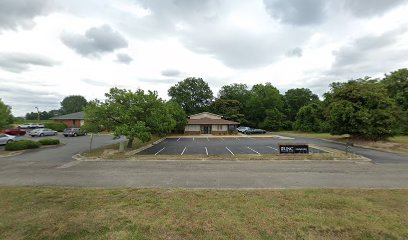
[56, 126]
[49, 141]
[21, 145]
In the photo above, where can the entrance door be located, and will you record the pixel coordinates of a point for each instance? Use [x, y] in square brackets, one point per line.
[206, 130]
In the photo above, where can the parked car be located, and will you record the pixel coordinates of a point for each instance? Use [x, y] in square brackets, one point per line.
[14, 131]
[42, 132]
[73, 132]
[242, 129]
[31, 125]
[5, 138]
[254, 131]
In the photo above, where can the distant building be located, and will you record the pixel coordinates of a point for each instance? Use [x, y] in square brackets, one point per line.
[71, 120]
[209, 123]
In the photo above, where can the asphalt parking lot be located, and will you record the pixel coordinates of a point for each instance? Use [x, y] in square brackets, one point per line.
[218, 146]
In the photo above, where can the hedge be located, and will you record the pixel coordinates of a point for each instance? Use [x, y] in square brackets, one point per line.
[21, 145]
[56, 126]
[49, 141]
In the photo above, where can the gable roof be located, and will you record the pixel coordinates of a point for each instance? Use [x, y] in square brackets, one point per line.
[76, 116]
[201, 113]
[210, 121]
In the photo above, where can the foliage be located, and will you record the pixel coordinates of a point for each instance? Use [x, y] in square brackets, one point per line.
[56, 126]
[49, 141]
[262, 98]
[274, 120]
[131, 114]
[21, 145]
[178, 114]
[6, 118]
[73, 103]
[397, 86]
[193, 94]
[361, 108]
[44, 115]
[310, 118]
[295, 99]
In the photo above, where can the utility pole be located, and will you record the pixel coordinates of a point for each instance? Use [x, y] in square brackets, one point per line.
[38, 116]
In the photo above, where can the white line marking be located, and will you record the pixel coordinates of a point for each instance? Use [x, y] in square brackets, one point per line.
[160, 151]
[193, 139]
[206, 151]
[229, 150]
[178, 139]
[183, 151]
[222, 139]
[208, 140]
[273, 148]
[253, 151]
[238, 139]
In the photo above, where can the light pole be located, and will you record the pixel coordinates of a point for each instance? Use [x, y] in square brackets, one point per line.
[38, 116]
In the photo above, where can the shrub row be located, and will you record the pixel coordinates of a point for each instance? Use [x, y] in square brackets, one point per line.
[56, 126]
[28, 144]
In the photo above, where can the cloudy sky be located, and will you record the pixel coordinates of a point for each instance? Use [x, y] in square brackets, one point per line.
[51, 49]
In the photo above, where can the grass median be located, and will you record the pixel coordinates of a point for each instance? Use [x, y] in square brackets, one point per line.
[57, 213]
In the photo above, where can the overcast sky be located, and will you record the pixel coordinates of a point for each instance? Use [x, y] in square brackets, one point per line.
[51, 49]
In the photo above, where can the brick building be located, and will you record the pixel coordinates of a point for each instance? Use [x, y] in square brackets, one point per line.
[72, 119]
[209, 123]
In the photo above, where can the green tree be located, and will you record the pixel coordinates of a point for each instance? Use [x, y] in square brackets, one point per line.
[229, 109]
[274, 120]
[73, 103]
[361, 108]
[193, 94]
[131, 114]
[295, 99]
[397, 86]
[178, 114]
[310, 118]
[6, 118]
[235, 91]
[262, 98]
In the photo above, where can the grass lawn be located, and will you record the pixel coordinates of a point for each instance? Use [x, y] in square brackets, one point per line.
[58, 213]
[395, 144]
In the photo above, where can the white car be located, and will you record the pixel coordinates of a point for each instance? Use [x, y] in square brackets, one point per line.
[242, 129]
[42, 132]
[31, 125]
[5, 138]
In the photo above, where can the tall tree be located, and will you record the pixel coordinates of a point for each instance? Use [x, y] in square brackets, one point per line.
[131, 114]
[263, 97]
[73, 103]
[235, 91]
[193, 94]
[310, 118]
[6, 117]
[229, 109]
[295, 99]
[361, 108]
[178, 114]
[397, 86]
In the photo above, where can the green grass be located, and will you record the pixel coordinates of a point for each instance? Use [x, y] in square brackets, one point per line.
[57, 213]
[313, 135]
[399, 139]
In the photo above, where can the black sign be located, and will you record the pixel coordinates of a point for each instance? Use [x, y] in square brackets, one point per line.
[293, 148]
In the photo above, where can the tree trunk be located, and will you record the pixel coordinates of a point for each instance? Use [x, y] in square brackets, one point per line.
[130, 142]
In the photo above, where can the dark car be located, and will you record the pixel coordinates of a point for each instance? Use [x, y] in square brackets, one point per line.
[14, 131]
[254, 131]
[73, 132]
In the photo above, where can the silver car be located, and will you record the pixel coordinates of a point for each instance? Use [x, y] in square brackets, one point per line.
[4, 138]
[42, 132]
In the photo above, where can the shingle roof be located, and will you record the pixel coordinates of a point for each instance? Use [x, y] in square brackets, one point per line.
[209, 121]
[76, 116]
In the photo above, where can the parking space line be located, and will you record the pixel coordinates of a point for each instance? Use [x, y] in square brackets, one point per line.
[229, 150]
[272, 148]
[238, 139]
[253, 151]
[208, 140]
[193, 139]
[183, 150]
[206, 151]
[252, 138]
[222, 139]
[178, 139]
[160, 151]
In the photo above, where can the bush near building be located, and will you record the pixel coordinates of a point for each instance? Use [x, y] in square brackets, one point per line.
[56, 126]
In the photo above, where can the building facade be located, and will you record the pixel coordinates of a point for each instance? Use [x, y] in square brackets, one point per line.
[209, 123]
[71, 120]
